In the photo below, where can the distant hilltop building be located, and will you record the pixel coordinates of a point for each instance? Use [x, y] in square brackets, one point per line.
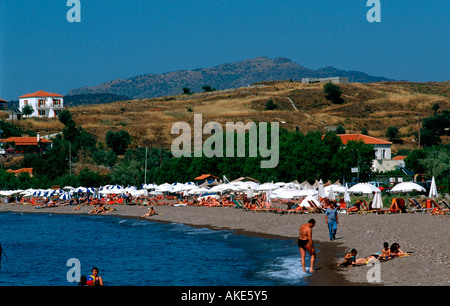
[45, 104]
[335, 80]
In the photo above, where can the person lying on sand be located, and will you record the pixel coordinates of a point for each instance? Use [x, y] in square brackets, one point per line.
[350, 259]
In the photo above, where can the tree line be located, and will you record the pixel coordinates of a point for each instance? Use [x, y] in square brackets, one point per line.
[303, 156]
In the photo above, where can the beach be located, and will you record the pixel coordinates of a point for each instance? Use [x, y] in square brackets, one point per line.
[423, 234]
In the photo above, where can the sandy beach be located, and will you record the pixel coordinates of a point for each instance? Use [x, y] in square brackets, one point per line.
[425, 235]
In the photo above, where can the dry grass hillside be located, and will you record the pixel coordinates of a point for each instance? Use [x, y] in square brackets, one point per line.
[374, 106]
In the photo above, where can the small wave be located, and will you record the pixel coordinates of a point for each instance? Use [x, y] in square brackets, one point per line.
[286, 270]
[133, 223]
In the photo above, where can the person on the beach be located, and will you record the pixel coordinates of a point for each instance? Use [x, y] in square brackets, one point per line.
[151, 212]
[331, 218]
[386, 252]
[349, 259]
[395, 250]
[98, 281]
[305, 243]
[1, 254]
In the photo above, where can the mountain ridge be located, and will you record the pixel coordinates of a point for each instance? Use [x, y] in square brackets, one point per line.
[224, 76]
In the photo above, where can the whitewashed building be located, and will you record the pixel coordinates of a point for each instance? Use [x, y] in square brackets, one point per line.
[44, 104]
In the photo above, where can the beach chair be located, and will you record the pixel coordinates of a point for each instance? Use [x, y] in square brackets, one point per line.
[416, 207]
[238, 204]
[445, 203]
[314, 208]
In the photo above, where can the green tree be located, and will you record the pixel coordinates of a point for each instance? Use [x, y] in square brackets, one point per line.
[118, 142]
[340, 130]
[333, 93]
[392, 133]
[27, 110]
[435, 108]
[127, 173]
[208, 88]
[65, 116]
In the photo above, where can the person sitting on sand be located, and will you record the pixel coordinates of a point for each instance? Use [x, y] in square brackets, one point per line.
[386, 252]
[76, 207]
[151, 212]
[349, 259]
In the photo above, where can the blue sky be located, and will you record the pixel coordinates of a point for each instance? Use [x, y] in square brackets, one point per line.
[41, 50]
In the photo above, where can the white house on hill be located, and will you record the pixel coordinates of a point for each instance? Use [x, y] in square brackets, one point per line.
[382, 161]
[44, 104]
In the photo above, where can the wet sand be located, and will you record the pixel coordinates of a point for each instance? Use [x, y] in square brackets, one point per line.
[423, 234]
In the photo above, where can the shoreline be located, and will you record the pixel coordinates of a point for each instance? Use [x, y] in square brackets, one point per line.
[428, 266]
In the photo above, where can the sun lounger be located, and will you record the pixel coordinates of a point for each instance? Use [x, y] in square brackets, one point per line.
[314, 208]
[238, 204]
[416, 207]
[445, 203]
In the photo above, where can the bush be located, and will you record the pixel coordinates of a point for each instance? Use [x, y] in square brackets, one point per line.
[270, 105]
[333, 93]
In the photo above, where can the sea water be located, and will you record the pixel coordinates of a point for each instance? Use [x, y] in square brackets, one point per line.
[131, 252]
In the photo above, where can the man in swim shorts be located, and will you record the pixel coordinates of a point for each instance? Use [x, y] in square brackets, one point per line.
[305, 243]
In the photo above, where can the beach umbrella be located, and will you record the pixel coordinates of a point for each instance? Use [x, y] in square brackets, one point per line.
[80, 189]
[363, 188]
[377, 202]
[64, 196]
[305, 203]
[321, 191]
[433, 190]
[331, 196]
[336, 188]
[267, 186]
[407, 187]
[307, 192]
[286, 194]
[347, 197]
[198, 191]
[165, 187]
[91, 190]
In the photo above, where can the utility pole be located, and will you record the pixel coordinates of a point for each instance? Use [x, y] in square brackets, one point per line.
[145, 171]
[70, 158]
[418, 121]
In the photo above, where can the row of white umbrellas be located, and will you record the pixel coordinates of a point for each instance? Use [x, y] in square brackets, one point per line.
[278, 190]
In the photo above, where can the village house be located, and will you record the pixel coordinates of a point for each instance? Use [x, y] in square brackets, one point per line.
[44, 104]
[382, 161]
[34, 144]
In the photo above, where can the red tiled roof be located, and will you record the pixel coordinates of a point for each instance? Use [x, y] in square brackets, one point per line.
[205, 176]
[400, 157]
[3, 101]
[364, 138]
[29, 170]
[25, 141]
[41, 93]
